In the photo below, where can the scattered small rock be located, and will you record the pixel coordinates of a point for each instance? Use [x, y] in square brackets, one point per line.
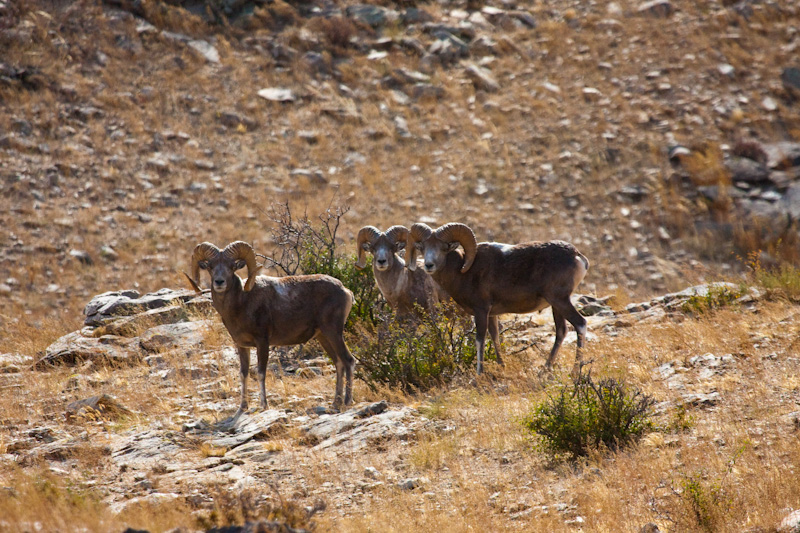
[277, 95]
[790, 522]
[481, 78]
[657, 8]
[82, 256]
[410, 483]
[103, 406]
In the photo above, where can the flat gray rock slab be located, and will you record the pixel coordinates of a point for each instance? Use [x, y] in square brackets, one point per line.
[146, 450]
[74, 348]
[127, 303]
[233, 433]
[360, 427]
[389, 425]
[328, 425]
[186, 335]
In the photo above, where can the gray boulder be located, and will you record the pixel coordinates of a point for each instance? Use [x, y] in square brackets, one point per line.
[126, 303]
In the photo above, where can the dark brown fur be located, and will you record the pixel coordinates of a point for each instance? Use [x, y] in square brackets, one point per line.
[282, 312]
[505, 278]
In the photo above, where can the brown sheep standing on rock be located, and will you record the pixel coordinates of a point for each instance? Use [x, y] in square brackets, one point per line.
[265, 311]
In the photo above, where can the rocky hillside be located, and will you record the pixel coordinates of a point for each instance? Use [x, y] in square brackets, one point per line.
[645, 133]
[662, 138]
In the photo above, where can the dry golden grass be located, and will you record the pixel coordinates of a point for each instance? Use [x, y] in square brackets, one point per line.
[476, 465]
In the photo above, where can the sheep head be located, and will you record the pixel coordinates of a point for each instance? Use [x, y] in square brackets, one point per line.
[435, 244]
[223, 264]
[382, 245]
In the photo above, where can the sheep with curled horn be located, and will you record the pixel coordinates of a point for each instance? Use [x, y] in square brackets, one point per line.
[264, 311]
[406, 291]
[489, 279]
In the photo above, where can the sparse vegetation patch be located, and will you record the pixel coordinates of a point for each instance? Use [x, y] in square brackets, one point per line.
[416, 357]
[781, 281]
[309, 248]
[584, 416]
[716, 296]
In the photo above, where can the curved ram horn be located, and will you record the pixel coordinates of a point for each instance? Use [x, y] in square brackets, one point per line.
[418, 233]
[202, 252]
[397, 234]
[462, 234]
[366, 234]
[242, 250]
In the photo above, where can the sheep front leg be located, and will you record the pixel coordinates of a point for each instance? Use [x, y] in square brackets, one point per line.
[244, 370]
[481, 325]
[263, 356]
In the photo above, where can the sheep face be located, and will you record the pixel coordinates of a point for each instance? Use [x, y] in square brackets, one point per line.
[383, 250]
[434, 253]
[222, 272]
[222, 265]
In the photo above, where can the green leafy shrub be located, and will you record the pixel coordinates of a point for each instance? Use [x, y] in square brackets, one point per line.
[705, 500]
[717, 296]
[585, 415]
[416, 356]
[782, 280]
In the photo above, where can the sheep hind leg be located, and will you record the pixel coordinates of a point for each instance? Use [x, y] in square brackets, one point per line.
[565, 311]
[244, 370]
[345, 363]
[494, 332]
[481, 325]
[579, 323]
[263, 358]
[561, 332]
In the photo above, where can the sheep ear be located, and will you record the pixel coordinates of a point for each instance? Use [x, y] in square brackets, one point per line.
[203, 265]
[400, 245]
[418, 246]
[453, 246]
[366, 246]
[241, 263]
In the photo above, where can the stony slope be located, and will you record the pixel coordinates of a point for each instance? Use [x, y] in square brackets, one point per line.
[132, 131]
[659, 137]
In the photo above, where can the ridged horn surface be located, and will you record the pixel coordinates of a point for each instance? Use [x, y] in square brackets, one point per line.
[418, 233]
[202, 252]
[242, 250]
[366, 234]
[397, 234]
[461, 233]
